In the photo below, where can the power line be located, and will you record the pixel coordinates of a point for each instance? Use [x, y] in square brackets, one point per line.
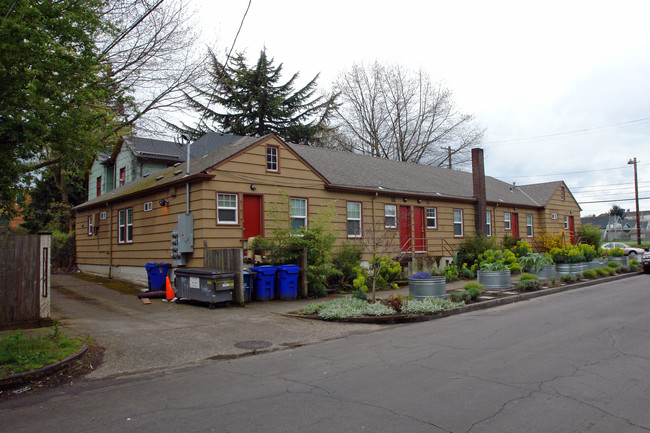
[613, 201]
[606, 185]
[577, 131]
[565, 173]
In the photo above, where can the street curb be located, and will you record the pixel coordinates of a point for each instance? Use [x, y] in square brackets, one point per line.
[412, 318]
[17, 378]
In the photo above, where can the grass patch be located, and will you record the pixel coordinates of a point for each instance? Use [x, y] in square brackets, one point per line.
[19, 353]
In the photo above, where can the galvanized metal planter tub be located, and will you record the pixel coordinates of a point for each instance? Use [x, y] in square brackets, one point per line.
[492, 280]
[546, 273]
[624, 261]
[427, 288]
[597, 263]
[571, 268]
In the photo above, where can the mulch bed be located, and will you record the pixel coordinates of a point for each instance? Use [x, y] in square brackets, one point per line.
[69, 375]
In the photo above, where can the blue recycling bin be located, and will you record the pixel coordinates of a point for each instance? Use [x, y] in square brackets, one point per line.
[288, 282]
[264, 282]
[157, 275]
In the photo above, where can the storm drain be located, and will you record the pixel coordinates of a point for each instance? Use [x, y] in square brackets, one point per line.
[253, 344]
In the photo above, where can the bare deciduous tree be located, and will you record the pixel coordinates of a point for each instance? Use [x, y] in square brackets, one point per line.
[390, 112]
[156, 61]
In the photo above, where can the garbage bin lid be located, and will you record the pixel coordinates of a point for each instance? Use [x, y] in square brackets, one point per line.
[204, 272]
[152, 265]
[264, 270]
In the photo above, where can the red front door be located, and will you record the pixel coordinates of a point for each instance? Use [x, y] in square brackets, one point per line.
[418, 229]
[252, 216]
[405, 228]
[572, 231]
[515, 226]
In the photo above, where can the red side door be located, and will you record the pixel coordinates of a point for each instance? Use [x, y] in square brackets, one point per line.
[252, 216]
[515, 226]
[572, 231]
[418, 230]
[405, 228]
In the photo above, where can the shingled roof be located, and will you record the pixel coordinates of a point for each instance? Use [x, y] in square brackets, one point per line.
[348, 170]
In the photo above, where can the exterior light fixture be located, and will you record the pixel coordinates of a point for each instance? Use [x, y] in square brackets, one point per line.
[405, 199]
[163, 202]
[253, 187]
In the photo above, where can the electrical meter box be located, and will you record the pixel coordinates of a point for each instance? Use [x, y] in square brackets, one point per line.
[185, 233]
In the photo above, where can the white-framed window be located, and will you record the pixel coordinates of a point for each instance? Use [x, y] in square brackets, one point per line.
[227, 208]
[102, 216]
[90, 225]
[562, 193]
[354, 219]
[390, 216]
[529, 225]
[458, 223]
[566, 222]
[125, 226]
[506, 220]
[298, 212]
[488, 223]
[272, 158]
[432, 218]
[148, 206]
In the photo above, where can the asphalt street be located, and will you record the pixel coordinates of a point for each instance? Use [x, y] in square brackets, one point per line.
[576, 361]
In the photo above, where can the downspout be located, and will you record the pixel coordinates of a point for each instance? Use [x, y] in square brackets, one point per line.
[186, 138]
[110, 240]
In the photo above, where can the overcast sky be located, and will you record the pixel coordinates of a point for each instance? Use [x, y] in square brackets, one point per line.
[563, 87]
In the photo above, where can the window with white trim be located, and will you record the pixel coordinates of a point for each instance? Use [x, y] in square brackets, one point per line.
[390, 216]
[458, 222]
[125, 226]
[432, 218]
[506, 220]
[90, 225]
[529, 225]
[354, 219]
[272, 158]
[148, 206]
[102, 216]
[566, 222]
[227, 208]
[298, 212]
[488, 223]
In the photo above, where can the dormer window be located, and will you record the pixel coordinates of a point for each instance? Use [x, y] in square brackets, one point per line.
[272, 162]
[562, 192]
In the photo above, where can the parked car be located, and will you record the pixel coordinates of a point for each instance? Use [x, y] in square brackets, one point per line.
[645, 259]
[629, 251]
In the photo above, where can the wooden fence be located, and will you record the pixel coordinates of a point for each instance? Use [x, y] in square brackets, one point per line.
[24, 280]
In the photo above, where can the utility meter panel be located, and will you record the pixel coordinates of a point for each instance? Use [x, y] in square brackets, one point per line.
[178, 259]
[185, 233]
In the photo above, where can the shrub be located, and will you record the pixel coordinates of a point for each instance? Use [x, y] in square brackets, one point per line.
[600, 272]
[497, 260]
[528, 285]
[466, 272]
[351, 307]
[450, 273]
[345, 260]
[470, 249]
[591, 234]
[616, 252]
[634, 265]
[521, 249]
[552, 281]
[549, 241]
[459, 296]
[567, 278]
[428, 305]
[614, 265]
[588, 251]
[622, 269]
[589, 273]
[379, 309]
[473, 290]
[525, 277]
[608, 270]
[395, 301]
[508, 242]
[63, 250]
[318, 277]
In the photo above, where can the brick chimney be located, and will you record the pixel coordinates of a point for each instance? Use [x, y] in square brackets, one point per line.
[478, 184]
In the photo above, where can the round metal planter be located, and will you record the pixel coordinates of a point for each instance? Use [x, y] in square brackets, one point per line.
[597, 263]
[571, 268]
[546, 273]
[493, 280]
[431, 287]
[624, 261]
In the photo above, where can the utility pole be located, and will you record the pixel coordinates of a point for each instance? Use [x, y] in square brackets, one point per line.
[449, 155]
[636, 197]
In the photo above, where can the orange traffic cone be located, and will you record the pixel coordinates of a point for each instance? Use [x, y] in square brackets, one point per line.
[169, 293]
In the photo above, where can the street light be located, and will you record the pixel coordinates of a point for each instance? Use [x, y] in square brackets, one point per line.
[636, 196]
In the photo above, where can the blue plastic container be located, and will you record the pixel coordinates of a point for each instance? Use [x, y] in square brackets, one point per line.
[264, 282]
[288, 282]
[157, 275]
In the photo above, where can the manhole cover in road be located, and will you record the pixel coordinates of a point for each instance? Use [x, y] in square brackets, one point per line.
[253, 344]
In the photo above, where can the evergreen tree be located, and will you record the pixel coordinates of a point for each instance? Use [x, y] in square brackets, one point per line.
[252, 101]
